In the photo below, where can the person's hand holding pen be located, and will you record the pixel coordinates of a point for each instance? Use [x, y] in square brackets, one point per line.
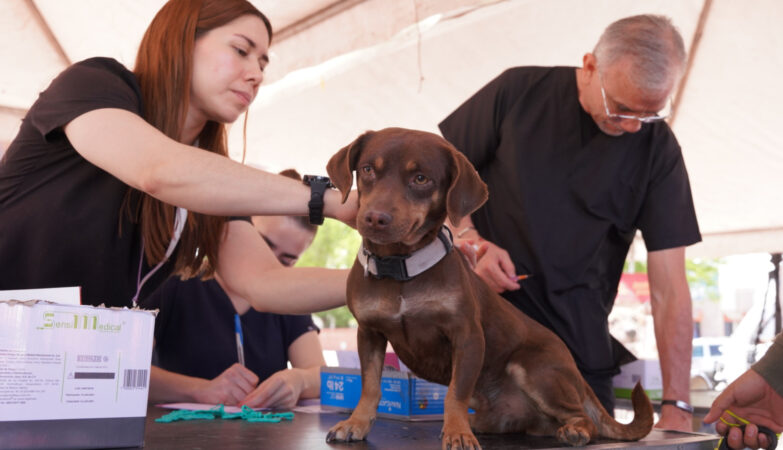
[232, 385]
[471, 250]
[281, 390]
[494, 266]
[228, 388]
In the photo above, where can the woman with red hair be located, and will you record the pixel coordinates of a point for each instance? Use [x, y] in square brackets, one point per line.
[118, 179]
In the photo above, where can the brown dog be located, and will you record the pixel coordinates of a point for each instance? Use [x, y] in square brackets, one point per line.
[444, 323]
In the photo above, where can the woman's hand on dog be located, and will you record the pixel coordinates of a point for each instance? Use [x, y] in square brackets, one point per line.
[343, 211]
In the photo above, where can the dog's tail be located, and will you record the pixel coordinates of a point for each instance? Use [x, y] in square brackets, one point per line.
[639, 427]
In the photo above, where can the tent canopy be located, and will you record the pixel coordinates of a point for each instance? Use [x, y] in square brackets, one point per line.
[339, 68]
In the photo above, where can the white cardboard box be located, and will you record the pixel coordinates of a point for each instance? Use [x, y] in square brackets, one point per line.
[73, 376]
[647, 371]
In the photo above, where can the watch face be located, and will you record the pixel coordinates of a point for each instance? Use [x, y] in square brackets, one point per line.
[317, 179]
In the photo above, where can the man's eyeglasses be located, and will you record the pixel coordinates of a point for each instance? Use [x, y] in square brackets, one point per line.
[661, 115]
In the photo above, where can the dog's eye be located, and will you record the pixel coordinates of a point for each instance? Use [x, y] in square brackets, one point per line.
[366, 169]
[420, 179]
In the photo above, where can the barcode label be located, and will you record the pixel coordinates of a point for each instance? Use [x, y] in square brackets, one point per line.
[135, 379]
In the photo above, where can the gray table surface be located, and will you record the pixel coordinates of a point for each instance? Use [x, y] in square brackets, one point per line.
[308, 431]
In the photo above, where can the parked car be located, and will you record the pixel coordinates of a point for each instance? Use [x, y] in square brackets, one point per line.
[707, 361]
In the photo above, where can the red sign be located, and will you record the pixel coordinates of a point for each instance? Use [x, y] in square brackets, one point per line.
[633, 289]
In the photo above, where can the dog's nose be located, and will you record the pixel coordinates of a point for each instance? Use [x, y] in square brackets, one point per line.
[377, 220]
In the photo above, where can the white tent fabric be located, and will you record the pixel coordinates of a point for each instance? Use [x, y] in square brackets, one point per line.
[362, 67]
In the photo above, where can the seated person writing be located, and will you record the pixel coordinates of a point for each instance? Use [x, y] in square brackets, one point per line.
[196, 344]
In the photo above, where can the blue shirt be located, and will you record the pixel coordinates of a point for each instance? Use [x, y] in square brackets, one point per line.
[194, 331]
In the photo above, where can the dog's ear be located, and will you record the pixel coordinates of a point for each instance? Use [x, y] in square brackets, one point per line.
[342, 164]
[467, 191]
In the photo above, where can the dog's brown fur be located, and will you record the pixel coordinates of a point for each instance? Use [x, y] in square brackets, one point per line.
[446, 325]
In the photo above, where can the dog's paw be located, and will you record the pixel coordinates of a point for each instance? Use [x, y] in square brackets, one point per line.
[349, 430]
[573, 435]
[459, 440]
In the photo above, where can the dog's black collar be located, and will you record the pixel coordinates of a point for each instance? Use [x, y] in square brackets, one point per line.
[406, 267]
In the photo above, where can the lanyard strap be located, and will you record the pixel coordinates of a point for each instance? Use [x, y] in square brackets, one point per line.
[179, 225]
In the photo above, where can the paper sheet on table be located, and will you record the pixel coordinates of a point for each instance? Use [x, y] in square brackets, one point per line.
[205, 406]
[309, 405]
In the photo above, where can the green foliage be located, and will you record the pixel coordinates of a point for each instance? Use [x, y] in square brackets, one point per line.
[702, 276]
[638, 267]
[334, 247]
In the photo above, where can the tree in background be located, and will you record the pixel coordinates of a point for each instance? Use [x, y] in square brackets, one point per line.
[335, 247]
[702, 277]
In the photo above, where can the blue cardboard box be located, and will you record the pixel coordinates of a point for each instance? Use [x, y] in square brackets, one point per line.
[404, 396]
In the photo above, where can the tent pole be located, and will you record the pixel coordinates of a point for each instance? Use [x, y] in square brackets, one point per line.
[775, 275]
[705, 10]
[48, 32]
[314, 18]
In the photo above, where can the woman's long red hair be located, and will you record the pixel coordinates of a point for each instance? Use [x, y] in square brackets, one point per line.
[164, 70]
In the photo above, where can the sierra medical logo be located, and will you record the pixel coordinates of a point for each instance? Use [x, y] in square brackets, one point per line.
[60, 320]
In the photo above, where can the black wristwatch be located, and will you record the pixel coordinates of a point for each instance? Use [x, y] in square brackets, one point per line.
[679, 404]
[318, 185]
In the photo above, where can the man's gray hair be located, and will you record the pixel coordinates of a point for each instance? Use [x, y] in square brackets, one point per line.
[655, 46]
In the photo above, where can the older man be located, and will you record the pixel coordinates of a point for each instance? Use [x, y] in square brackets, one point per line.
[577, 160]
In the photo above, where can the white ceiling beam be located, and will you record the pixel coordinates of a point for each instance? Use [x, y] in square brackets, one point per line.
[47, 30]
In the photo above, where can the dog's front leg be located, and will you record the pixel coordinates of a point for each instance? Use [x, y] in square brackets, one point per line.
[467, 360]
[372, 350]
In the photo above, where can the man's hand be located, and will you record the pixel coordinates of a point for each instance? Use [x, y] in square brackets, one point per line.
[472, 250]
[737, 439]
[281, 390]
[752, 398]
[673, 418]
[496, 269]
[228, 388]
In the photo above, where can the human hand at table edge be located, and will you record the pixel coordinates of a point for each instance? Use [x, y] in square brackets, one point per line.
[736, 439]
[753, 399]
[673, 418]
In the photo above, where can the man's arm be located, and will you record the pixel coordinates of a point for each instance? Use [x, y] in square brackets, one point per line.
[673, 321]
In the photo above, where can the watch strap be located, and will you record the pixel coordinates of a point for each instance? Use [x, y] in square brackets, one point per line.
[685, 406]
[316, 204]
[318, 185]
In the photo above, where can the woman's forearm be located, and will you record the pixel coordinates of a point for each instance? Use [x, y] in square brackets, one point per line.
[126, 146]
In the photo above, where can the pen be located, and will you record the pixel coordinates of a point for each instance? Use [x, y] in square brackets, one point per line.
[240, 342]
[524, 277]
